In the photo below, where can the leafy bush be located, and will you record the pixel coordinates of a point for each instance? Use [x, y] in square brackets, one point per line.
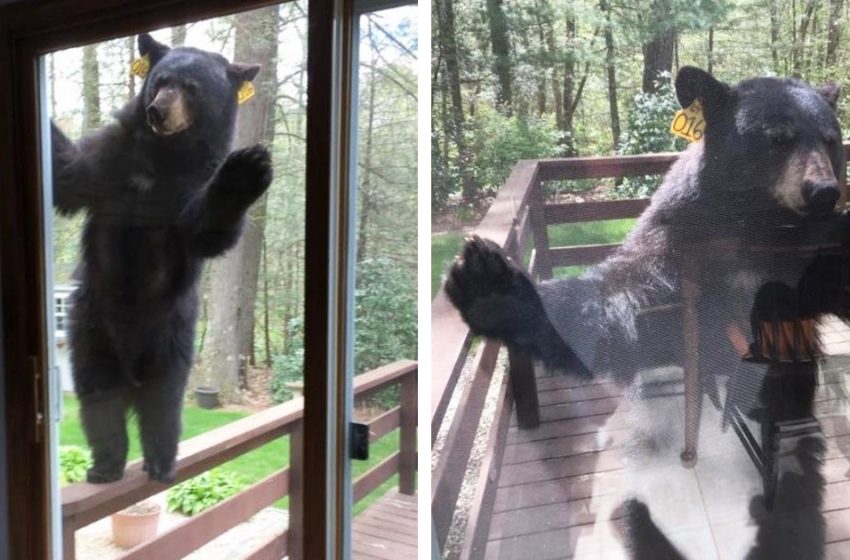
[202, 492]
[384, 326]
[288, 368]
[648, 131]
[74, 461]
[500, 141]
[385, 314]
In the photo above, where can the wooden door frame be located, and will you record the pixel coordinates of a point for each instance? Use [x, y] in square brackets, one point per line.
[30, 29]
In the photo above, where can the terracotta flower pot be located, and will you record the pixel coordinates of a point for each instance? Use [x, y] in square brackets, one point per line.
[136, 524]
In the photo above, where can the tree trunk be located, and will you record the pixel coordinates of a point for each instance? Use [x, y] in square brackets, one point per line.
[557, 98]
[544, 62]
[234, 277]
[178, 35]
[448, 52]
[834, 31]
[611, 69]
[710, 67]
[774, 33]
[800, 40]
[130, 48]
[364, 213]
[501, 49]
[91, 89]
[568, 97]
[657, 58]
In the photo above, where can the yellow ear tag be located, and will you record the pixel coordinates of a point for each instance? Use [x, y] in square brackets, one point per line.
[689, 123]
[245, 92]
[141, 66]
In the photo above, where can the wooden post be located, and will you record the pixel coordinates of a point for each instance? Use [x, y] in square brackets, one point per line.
[690, 345]
[295, 537]
[542, 259]
[407, 436]
[69, 547]
[524, 389]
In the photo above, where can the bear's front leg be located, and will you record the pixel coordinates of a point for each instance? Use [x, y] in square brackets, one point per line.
[73, 185]
[214, 218]
[499, 300]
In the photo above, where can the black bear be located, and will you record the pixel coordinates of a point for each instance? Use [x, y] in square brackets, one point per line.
[162, 192]
[769, 172]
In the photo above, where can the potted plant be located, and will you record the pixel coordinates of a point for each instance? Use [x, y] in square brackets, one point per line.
[135, 524]
[207, 397]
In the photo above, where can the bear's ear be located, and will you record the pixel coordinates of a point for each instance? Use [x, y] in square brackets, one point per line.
[830, 92]
[242, 72]
[150, 47]
[693, 83]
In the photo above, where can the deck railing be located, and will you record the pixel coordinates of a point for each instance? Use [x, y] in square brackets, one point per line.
[84, 503]
[518, 221]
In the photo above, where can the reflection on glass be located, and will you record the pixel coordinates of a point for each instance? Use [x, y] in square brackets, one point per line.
[724, 306]
[385, 333]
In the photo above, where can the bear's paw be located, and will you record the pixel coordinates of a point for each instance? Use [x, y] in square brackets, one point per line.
[494, 295]
[245, 175]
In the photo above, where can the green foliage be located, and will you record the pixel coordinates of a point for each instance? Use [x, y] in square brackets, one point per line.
[289, 368]
[202, 492]
[384, 325]
[648, 131]
[74, 461]
[385, 314]
[499, 141]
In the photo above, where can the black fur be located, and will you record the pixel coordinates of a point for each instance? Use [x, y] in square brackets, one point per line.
[728, 188]
[156, 207]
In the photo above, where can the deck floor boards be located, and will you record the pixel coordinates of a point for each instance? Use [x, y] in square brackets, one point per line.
[563, 489]
[387, 529]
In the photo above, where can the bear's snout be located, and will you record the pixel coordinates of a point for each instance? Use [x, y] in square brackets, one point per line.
[168, 113]
[156, 115]
[821, 196]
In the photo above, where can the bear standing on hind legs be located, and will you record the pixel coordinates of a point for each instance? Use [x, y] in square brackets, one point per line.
[162, 192]
[768, 173]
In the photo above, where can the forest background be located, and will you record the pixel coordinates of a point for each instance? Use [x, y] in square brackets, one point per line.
[249, 338]
[528, 79]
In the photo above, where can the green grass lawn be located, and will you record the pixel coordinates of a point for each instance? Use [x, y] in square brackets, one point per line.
[445, 246]
[250, 467]
[443, 249]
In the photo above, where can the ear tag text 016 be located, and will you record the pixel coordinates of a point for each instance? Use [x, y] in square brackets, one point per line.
[141, 66]
[246, 92]
[689, 123]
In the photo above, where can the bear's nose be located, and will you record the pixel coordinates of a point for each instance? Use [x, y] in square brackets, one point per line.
[821, 197]
[156, 115]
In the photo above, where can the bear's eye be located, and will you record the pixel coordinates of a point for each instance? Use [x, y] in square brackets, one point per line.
[191, 88]
[780, 135]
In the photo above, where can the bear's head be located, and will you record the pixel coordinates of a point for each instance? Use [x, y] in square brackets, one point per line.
[189, 91]
[771, 144]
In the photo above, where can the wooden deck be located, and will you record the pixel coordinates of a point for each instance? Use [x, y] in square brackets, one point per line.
[386, 530]
[586, 484]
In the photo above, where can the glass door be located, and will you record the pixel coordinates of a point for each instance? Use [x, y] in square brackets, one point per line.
[382, 250]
